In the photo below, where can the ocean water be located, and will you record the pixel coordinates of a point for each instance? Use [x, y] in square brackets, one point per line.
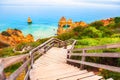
[45, 18]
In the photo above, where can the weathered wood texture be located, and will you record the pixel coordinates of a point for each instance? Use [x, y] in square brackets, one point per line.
[52, 66]
[111, 68]
[112, 55]
[99, 47]
[84, 55]
[27, 59]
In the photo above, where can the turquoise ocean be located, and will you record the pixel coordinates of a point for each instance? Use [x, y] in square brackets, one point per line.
[45, 18]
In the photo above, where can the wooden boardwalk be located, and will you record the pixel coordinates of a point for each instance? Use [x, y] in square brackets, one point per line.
[52, 66]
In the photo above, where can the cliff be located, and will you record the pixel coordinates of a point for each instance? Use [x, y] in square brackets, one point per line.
[14, 36]
[65, 25]
[107, 21]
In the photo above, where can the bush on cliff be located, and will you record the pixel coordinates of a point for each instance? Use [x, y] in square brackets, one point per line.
[5, 33]
[6, 52]
[66, 36]
[20, 46]
[81, 43]
[97, 24]
[117, 19]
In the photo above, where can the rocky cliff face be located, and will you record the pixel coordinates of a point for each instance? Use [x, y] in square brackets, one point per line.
[107, 21]
[14, 36]
[65, 25]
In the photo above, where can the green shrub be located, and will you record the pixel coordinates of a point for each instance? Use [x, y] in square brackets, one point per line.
[110, 74]
[117, 25]
[66, 36]
[5, 33]
[20, 46]
[6, 52]
[115, 35]
[117, 19]
[104, 41]
[87, 42]
[97, 24]
[92, 32]
[18, 30]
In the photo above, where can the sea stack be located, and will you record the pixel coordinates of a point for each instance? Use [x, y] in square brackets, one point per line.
[29, 20]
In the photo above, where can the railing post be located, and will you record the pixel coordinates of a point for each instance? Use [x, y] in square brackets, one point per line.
[68, 56]
[31, 59]
[2, 75]
[83, 59]
[26, 69]
[65, 45]
[59, 44]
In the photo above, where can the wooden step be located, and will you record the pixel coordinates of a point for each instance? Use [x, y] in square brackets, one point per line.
[71, 74]
[95, 77]
[79, 76]
[49, 74]
[55, 77]
[52, 66]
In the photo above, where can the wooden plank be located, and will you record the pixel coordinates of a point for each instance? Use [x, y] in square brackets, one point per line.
[113, 55]
[99, 47]
[40, 46]
[14, 75]
[2, 75]
[83, 59]
[78, 76]
[74, 42]
[90, 48]
[13, 60]
[95, 77]
[71, 74]
[49, 47]
[111, 68]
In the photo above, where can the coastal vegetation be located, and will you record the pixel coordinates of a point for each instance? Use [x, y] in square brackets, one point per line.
[94, 34]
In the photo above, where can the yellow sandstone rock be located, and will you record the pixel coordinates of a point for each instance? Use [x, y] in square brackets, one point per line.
[29, 20]
[15, 37]
[63, 23]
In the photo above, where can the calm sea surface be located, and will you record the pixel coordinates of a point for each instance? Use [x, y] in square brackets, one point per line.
[45, 18]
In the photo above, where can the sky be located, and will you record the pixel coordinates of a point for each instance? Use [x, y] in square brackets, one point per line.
[96, 3]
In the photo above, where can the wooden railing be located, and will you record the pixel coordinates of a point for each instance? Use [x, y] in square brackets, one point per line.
[27, 59]
[84, 54]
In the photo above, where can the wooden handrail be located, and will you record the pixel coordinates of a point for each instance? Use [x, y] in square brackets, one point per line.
[69, 50]
[28, 59]
[111, 68]
[99, 47]
[14, 75]
[13, 60]
[84, 54]
[112, 55]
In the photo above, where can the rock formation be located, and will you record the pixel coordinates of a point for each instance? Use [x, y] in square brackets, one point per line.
[65, 25]
[14, 36]
[107, 21]
[29, 20]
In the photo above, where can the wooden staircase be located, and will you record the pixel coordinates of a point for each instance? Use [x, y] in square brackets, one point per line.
[50, 61]
[52, 66]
